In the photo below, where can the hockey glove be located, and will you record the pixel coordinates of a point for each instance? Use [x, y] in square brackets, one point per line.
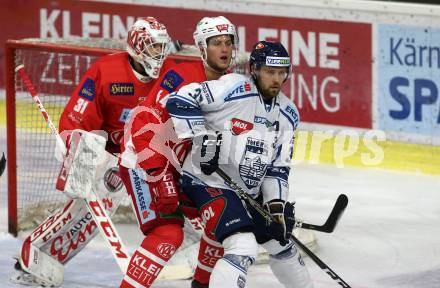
[166, 196]
[284, 214]
[210, 152]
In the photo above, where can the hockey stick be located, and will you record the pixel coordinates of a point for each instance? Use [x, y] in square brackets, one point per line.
[330, 223]
[250, 201]
[332, 220]
[2, 164]
[93, 203]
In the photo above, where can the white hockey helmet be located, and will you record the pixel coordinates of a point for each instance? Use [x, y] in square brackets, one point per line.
[213, 26]
[142, 40]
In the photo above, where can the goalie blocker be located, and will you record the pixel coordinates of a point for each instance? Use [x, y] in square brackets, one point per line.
[69, 229]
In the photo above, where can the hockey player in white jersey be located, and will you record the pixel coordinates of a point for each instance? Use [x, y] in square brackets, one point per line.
[245, 126]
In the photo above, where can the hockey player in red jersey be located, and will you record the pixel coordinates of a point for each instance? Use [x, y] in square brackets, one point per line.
[149, 168]
[116, 83]
[111, 87]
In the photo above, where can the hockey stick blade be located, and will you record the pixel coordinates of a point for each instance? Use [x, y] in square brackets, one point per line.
[332, 220]
[2, 164]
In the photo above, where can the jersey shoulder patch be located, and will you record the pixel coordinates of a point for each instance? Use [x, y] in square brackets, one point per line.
[171, 81]
[289, 110]
[87, 90]
[241, 87]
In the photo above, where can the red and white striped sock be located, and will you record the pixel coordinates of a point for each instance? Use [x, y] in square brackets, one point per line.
[148, 260]
[209, 252]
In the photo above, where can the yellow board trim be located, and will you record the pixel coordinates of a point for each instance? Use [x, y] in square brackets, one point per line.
[416, 158]
[2, 112]
[399, 156]
[29, 118]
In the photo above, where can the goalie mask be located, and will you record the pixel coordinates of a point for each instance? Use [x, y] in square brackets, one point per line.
[148, 43]
[214, 26]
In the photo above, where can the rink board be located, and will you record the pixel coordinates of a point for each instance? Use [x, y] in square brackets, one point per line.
[401, 156]
[391, 155]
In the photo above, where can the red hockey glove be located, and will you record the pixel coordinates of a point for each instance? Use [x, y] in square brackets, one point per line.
[165, 193]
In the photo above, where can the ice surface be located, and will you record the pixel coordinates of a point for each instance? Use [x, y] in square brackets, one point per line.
[388, 237]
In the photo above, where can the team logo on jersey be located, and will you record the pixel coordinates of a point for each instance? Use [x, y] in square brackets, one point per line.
[239, 126]
[87, 90]
[112, 181]
[166, 250]
[253, 165]
[117, 136]
[121, 89]
[171, 81]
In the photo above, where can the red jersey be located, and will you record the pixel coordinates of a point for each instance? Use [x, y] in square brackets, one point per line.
[104, 97]
[151, 149]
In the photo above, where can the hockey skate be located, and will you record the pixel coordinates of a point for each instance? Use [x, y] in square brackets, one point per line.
[19, 276]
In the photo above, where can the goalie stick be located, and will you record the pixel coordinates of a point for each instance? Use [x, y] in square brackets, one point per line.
[92, 201]
[250, 201]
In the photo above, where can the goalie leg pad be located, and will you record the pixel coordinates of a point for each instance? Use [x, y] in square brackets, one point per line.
[148, 260]
[45, 270]
[69, 229]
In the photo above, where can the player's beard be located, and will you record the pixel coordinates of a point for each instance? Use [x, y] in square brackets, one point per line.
[269, 92]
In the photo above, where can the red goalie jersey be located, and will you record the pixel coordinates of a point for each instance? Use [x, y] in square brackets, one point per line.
[104, 97]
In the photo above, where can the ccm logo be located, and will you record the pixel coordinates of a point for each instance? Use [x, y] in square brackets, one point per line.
[240, 126]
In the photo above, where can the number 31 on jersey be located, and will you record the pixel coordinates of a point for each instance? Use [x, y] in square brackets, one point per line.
[81, 105]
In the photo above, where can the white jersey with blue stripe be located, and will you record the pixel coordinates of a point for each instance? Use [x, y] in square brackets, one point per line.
[258, 138]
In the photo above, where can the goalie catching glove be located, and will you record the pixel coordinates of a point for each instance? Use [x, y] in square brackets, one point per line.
[284, 214]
